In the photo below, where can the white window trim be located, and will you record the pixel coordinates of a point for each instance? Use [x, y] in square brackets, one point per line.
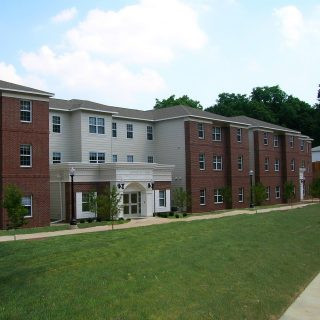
[241, 194]
[54, 124]
[53, 157]
[150, 158]
[24, 166]
[201, 130]
[97, 156]
[30, 206]
[214, 134]
[217, 193]
[204, 197]
[276, 165]
[268, 193]
[265, 164]
[215, 163]
[291, 142]
[293, 165]
[276, 139]
[265, 138]
[131, 131]
[114, 130]
[275, 189]
[164, 198]
[97, 125]
[240, 157]
[204, 162]
[116, 156]
[24, 121]
[239, 135]
[150, 133]
[130, 155]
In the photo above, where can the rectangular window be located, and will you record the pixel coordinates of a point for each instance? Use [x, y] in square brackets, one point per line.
[150, 159]
[240, 163]
[85, 202]
[276, 141]
[162, 198]
[114, 129]
[25, 111]
[303, 164]
[276, 165]
[277, 190]
[26, 201]
[265, 138]
[56, 124]
[129, 158]
[291, 141]
[56, 157]
[217, 163]
[25, 155]
[202, 161]
[216, 134]
[268, 193]
[266, 164]
[129, 131]
[218, 198]
[96, 125]
[302, 145]
[114, 158]
[97, 157]
[202, 197]
[149, 133]
[201, 130]
[239, 134]
[240, 194]
[292, 165]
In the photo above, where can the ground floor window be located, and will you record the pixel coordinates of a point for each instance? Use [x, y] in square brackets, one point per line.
[240, 194]
[202, 197]
[114, 158]
[162, 198]
[97, 157]
[277, 190]
[27, 203]
[218, 198]
[56, 157]
[85, 202]
[268, 193]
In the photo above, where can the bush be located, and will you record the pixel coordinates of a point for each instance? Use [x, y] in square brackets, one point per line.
[163, 214]
[184, 214]
[121, 219]
[82, 220]
[90, 220]
[177, 216]
[99, 219]
[171, 213]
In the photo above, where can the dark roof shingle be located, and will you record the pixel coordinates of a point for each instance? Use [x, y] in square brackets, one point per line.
[8, 86]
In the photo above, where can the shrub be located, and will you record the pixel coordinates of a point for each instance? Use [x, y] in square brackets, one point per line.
[184, 214]
[163, 214]
[171, 213]
[99, 219]
[177, 215]
[121, 219]
[90, 220]
[82, 220]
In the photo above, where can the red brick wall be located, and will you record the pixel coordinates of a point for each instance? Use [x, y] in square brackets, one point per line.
[98, 187]
[35, 180]
[210, 179]
[159, 185]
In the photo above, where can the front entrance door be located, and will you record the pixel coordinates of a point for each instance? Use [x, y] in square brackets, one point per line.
[132, 204]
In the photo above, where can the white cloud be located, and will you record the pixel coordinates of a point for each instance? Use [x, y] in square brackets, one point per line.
[65, 15]
[8, 73]
[151, 31]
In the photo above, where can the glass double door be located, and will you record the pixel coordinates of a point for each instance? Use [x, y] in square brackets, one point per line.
[132, 204]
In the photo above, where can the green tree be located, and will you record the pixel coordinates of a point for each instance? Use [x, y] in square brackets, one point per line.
[173, 101]
[181, 199]
[93, 206]
[108, 204]
[289, 191]
[12, 202]
[259, 194]
[315, 188]
[227, 196]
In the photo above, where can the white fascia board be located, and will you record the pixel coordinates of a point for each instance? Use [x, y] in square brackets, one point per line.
[48, 94]
[287, 131]
[132, 118]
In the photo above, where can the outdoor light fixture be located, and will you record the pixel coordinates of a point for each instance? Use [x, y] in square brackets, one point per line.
[120, 186]
[73, 220]
[251, 188]
[150, 185]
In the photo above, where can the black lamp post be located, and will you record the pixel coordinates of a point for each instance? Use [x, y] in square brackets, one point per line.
[73, 220]
[251, 189]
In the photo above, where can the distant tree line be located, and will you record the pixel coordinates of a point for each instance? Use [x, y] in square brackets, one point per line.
[270, 104]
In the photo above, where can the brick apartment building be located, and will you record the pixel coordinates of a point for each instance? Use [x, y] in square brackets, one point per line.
[145, 154]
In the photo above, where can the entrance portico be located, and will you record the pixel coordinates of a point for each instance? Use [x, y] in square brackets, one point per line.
[139, 185]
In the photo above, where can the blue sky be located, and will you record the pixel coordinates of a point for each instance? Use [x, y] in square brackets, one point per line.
[127, 53]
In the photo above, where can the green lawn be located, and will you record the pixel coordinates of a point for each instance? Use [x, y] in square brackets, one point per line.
[242, 267]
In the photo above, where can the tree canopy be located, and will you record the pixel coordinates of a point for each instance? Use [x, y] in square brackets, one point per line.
[173, 101]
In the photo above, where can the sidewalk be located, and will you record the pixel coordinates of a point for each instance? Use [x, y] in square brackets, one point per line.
[307, 305]
[143, 223]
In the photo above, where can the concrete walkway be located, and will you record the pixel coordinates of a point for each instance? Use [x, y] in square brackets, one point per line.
[307, 305]
[144, 222]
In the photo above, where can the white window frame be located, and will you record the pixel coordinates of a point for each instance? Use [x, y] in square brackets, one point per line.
[94, 123]
[277, 192]
[26, 155]
[202, 161]
[162, 198]
[239, 135]
[216, 134]
[240, 194]
[303, 163]
[97, 156]
[265, 138]
[266, 164]
[56, 125]
[291, 141]
[114, 158]
[276, 141]
[114, 130]
[56, 157]
[203, 197]
[268, 193]
[302, 145]
[217, 163]
[149, 133]
[240, 163]
[22, 111]
[293, 165]
[129, 157]
[129, 131]
[26, 206]
[277, 165]
[217, 196]
[87, 194]
[150, 159]
[201, 131]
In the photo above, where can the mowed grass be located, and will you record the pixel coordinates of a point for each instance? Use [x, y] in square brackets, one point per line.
[242, 267]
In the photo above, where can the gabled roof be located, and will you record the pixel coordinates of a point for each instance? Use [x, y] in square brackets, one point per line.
[12, 87]
[255, 123]
[149, 115]
[316, 149]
